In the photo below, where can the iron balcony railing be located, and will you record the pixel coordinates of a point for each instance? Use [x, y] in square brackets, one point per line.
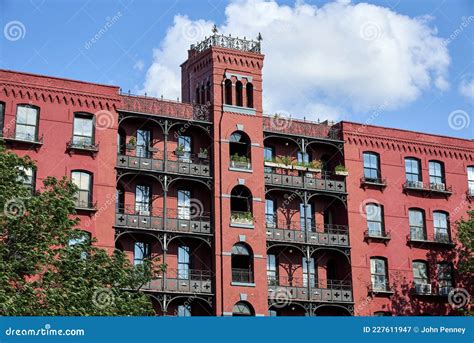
[20, 137]
[187, 164]
[306, 232]
[242, 275]
[441, 188]
[380, 287]
[327, 182]
[182, 281]
[300, 288]
[78, 144]
[382, 234]
[417, 235]
[186, 220]
[368, 181]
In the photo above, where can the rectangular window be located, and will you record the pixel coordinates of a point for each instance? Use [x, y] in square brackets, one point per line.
[184, 204]
[420, 273]
[303, 157]
[28, 179]
[445, 277]
[306, 217]
[374, 220]
[270, 217]
[143, 143]
[470, 180]
[141, 252]
[184, 145]
[26, 123]
[184, 311]
[309, 274]
[417, 225]
[412, 171]
[183, 262]
[440, 223]
[143, 200]
[268, 153]
[272, 270]
[83, 181]
[83, 130]
[371, 167]
[378, 271]
[436, 173]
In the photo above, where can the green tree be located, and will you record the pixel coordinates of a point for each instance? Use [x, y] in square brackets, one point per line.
[41, 272]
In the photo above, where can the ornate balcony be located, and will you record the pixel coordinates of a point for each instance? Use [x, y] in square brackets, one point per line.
[291, 232]
[317, 290]
[176, 220]
[227, 42]
[306, 182]
[182, 281]
[190, 165]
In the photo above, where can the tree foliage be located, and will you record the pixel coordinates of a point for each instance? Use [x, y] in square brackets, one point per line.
[48, 266]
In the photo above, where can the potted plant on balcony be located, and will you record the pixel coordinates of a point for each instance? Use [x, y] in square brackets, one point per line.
[243, 218]
[179, 150]
[314, 166]
[132, 143]
[299, 166]
[271, 163]
[241, 162]
[341, 170]
[284, 162]
[202, 154]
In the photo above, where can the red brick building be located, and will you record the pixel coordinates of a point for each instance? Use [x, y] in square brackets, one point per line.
[252, 215]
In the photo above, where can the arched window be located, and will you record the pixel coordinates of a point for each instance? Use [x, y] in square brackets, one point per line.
[228, 92]
[238, 94]
[242, 263]
[436, 172]
[27, 119]
[241, 206]
[379, 274]
[371, 167]
[420, 273]
[242, 309]
[208, 91]
[416, 218]
[240, 150]
[375, 224]
[83, 180]
[413, 172]
[441, 226]
[249, 91]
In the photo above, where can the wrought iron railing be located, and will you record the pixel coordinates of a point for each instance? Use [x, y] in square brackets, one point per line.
[310, 288]
[306, 181]
[188, 220]
[298, 127]
[427, 187]
[11, 135]
[306, 232]
[182, 281]
[228, 42]
[83, 145]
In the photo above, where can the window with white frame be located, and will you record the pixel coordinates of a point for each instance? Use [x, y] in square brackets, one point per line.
[436, 172]
[378, 271]
[26, 123]
[184, 262]
[412, 171]
[143, 199]
[184, 204]
[374, 213]
[371, 167]
[470, 180]
[83, 134]
[441, 226]
[416, 219]
[83, 180]
[272, 274]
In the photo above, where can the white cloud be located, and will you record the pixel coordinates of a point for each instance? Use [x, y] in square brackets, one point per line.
[466, 88]
[320, 61]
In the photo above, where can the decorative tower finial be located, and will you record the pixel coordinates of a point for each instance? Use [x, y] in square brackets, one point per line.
[214, 29]
[259, 37]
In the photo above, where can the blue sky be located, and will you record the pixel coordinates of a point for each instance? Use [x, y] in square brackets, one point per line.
[140, 51]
